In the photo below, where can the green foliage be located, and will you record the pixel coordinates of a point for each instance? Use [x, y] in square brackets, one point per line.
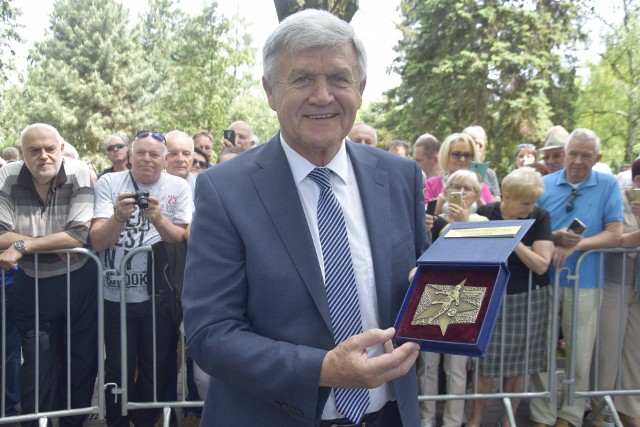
[8, 36]
[615, 118]
[494, 63]
[88, 79]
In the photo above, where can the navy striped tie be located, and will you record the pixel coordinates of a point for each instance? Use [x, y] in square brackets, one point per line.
[340, 285]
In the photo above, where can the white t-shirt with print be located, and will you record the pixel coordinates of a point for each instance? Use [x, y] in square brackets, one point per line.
[175, 199]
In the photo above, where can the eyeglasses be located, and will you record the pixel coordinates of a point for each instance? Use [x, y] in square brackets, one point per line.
[459, 154]
[155, 135]
[468, 188]
[114, 146]
[199, 164]
[571, 203]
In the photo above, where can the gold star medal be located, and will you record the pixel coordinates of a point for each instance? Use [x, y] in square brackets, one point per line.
[446, 305]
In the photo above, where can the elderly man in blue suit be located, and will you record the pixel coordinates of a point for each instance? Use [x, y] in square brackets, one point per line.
[300, 253]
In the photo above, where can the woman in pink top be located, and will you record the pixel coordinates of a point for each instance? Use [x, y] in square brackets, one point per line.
[457, 152]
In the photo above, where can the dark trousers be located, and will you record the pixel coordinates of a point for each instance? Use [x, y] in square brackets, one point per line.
[12, 356]
[140, 366]
[52, 339]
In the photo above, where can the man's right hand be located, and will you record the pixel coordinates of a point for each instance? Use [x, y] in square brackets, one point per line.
[566, 238]
[349, 366]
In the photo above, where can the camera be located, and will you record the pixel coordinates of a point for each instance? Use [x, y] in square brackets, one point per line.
[142, 199]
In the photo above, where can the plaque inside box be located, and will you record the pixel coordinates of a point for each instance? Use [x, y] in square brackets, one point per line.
[453, 301]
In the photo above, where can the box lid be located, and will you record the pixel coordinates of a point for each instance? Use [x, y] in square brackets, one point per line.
[478, 242]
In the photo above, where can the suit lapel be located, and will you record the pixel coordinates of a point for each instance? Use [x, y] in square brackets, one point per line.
[373, 184]
[277, 190]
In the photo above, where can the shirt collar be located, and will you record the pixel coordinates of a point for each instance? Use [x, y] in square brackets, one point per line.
[589, 182]
[301, 167]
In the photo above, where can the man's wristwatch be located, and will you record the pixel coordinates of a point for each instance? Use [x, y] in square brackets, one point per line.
[19, 245]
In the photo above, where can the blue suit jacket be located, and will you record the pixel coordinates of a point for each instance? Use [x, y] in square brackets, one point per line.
[255, 310]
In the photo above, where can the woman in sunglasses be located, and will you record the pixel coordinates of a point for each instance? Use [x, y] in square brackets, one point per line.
[456, 153]
[200, 161]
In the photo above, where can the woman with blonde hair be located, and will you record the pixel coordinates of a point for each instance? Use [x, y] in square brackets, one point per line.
[520, 333]
[456, 153]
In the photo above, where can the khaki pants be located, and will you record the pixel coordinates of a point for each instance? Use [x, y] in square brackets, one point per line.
[619, 320]
[541, 410]
[456, 369]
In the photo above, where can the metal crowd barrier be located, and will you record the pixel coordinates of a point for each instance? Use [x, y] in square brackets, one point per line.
[44, 416]
[126, 405]
[564, 376]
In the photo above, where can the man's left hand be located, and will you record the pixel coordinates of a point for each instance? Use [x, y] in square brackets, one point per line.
[153, 212]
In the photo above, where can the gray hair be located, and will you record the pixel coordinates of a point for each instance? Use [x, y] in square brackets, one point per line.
[583, 134]
[307, 29]
[50, 128]
[180, 134]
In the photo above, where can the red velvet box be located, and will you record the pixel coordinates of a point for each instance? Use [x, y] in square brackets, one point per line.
[454, 298]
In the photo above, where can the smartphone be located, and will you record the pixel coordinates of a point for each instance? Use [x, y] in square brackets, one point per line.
[636, 194]
[456, 198]
[431, 207]
[230, 135]
[577, 226]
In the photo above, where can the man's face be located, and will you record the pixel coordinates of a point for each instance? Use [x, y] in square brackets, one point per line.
[117, 151]
[480, 140]
[399, 151]
[553, 159]
[316, 96]
[147, 159]
[426, 163]
[363, 135]
[205, 144]
[580, 157]
[179, 156]
[243, 136]
[42, 153]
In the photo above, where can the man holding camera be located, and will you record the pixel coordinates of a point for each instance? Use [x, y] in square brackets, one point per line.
[133, 209]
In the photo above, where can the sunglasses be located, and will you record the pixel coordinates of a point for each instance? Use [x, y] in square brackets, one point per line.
[528, 146]
[155, 135]
[114, 146]
[199, 164]
[571, 203]
[459, 154]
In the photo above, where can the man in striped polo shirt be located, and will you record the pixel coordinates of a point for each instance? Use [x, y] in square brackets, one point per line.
[46, 203]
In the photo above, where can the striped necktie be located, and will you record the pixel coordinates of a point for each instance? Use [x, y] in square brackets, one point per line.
[340, 285]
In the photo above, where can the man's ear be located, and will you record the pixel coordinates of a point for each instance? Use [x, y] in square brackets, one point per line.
[269, 91]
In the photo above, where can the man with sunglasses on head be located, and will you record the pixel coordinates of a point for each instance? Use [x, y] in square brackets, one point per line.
[117, 150]
[138, 208]
[576, 191]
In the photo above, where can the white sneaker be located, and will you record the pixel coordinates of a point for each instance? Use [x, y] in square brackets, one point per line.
[431, 422]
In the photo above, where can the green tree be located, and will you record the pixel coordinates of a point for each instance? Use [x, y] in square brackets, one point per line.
[616, 118]
[206, 61]
[88, 78]
[491, 63]
[8, 36]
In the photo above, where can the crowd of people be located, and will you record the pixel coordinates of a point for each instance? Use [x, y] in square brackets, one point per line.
[299, 253]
